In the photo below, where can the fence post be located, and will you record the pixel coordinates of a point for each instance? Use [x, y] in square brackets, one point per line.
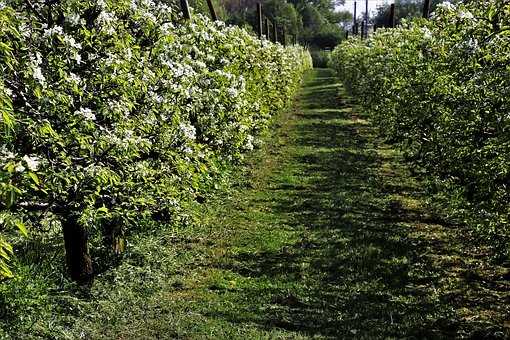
[354, 23]
[363, 28]
[259, 19]
[426, 9]
[185, 9]
[391, 21]
[267, 28]
[214, 17]
[366, 18]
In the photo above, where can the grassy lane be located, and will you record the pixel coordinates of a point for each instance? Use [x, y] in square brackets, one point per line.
[325, 235]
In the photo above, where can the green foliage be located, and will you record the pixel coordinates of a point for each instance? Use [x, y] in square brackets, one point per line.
[441, 90]
[404, 9]
[318, 29]
[312, 22]
[320, 58]
[116, 111]
[201, 6]
[327, 36]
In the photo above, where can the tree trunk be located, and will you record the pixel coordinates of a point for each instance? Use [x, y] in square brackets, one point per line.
[113, 237]
[79, 263]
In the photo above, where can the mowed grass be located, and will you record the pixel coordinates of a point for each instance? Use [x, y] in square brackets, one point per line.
[322, 234]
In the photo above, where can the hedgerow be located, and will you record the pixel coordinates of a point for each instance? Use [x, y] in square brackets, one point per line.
[115, 111]
[440, 88]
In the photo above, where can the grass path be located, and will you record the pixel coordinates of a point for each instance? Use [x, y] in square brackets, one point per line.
[325, 235]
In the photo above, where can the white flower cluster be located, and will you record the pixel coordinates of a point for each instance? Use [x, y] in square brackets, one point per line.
[35, 65]
[55, 30]
[427, 34]
[447, 5]
[32, 162]
[86, 113]
[188, 131]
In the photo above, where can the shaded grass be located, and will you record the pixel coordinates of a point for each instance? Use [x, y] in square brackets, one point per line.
[324, 234]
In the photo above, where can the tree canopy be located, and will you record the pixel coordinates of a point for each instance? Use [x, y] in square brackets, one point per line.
[404, 9]
[314, 22]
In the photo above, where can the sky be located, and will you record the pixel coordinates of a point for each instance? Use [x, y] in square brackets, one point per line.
[372, 5]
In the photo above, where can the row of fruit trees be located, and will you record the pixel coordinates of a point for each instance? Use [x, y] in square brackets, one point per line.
[440, 88]
[115, 112]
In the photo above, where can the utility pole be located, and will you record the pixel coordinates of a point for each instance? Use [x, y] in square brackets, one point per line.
[391, 22]
[426, 9]
[267, 28]
[354, 23]
[214, 16]
[259, 19]
[366, 18]
[185, 9]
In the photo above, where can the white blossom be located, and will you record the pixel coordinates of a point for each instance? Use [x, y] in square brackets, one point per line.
[426, 33]
[188, 130]
[25, 30]
[232, 92]
[74, 19]
[75, 78]
[32, 162]
[86, 113]
[19, 168]
[38, 75]
[69, 40]
[105, 18]
[447, 5]
[54, 30]
[466, 15]
[6, 154]
[77, 57]
[7, 91]
[249, 143]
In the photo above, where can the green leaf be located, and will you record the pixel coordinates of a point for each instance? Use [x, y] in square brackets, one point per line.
[34, 178]
[21, 227]
[103, 210]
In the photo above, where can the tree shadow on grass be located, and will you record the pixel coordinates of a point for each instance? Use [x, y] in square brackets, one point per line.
[355, 270]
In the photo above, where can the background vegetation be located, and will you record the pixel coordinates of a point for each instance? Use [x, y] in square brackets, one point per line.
[313, 23]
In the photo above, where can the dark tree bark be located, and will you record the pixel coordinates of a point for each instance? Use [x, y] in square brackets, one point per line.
[113, 237]
[79, 263]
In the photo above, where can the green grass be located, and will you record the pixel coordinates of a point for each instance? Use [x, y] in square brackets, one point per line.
[323, 234]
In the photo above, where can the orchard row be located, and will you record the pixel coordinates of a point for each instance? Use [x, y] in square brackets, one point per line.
[440, 88]
[115, 112]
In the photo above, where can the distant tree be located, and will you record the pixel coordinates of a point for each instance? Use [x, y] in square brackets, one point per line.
[284, 13]
[403, 9]
[201, 6]
[312, 18]
[340, 17]
[314, 22]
